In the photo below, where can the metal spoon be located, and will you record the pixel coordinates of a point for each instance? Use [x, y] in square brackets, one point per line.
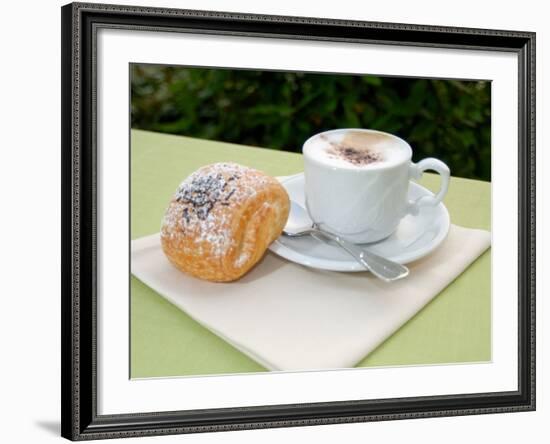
[299, 224]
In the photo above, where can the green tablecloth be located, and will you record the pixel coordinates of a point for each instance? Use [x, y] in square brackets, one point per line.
[454, 327]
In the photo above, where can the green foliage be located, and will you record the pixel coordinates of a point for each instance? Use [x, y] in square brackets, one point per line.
[448, 119]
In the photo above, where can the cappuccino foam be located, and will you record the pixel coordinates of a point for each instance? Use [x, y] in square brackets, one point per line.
[356, 149]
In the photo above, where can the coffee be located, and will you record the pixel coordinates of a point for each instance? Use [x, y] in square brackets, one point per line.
[356, 149]
[357, 181]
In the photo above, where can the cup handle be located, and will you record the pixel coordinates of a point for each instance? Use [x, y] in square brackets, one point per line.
[416, 171]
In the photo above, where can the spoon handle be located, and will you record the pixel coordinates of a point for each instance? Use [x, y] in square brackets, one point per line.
[381, 267]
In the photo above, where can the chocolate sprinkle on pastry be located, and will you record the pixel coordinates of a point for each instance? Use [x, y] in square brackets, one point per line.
[221, 220]
[203, 192]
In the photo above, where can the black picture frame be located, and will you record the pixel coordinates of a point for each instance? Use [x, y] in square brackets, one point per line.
[80, 420]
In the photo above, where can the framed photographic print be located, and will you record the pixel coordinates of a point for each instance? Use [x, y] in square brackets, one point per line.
[279, 221]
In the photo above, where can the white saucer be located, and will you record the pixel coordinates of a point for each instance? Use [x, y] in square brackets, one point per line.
[415, 237]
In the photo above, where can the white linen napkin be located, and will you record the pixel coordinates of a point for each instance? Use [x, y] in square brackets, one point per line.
[289, 317]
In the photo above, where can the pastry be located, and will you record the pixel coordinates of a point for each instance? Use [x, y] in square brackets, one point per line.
[221, 220]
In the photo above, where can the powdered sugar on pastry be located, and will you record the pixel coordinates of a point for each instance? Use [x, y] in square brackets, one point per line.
[198, 205]
[221, 220]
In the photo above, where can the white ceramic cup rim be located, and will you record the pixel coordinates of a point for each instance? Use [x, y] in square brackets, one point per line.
[371, 167]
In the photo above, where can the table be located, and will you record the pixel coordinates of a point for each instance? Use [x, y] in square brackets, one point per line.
[454, 327]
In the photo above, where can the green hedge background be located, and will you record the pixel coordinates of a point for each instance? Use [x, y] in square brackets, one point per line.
[447, 119]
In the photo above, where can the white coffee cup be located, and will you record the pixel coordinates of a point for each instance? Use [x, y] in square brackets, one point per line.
[357, 180]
